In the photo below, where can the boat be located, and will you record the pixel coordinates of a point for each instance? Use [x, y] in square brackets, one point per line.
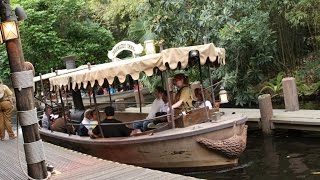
[196, 140]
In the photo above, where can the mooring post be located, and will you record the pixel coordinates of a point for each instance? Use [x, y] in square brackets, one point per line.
[290, 94]
[22, 81]
[265, 106]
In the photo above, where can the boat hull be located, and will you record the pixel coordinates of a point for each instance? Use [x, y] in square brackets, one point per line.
[175, 149]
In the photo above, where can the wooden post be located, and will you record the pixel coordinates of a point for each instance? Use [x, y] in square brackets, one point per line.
[266, 113]
[290, 94]
[24, 97]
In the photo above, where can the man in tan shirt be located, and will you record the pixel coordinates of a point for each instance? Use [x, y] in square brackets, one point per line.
[6, 106]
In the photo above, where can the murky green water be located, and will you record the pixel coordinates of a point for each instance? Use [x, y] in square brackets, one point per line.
[286, 155]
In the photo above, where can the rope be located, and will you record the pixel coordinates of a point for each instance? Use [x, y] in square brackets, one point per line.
[23, 79]
[19, 158]
[29, 117]
[34, 152]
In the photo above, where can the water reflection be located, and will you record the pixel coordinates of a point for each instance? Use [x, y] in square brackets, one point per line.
[285, 155]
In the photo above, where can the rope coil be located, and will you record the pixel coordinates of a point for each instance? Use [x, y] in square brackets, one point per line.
[27, 118]
[22, 80]
[34, 152]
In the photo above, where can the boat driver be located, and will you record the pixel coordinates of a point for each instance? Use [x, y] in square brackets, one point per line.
[183, 98]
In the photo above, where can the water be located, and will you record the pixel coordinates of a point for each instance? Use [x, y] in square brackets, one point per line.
[286, 155]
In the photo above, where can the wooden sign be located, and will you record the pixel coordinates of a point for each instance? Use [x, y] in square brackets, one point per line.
[125, 45]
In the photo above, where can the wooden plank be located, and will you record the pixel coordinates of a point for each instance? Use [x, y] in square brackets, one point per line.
[297, 127]
[295, 120]
[73, 165]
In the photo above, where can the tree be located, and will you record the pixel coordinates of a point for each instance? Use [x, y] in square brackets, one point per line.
[58, 28]
[242, 27]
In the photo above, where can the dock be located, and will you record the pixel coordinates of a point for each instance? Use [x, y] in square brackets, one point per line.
[70, 164]
[308, 120]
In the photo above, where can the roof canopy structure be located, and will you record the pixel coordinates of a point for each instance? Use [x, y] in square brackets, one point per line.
[133, 67]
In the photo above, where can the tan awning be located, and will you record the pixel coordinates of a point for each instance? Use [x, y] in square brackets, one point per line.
[134, 67]
[109, 71]
[173, 56]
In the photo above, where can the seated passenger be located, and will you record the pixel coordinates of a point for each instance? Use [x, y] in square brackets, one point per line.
[183, 99]
[120, 130]
[60, 124]
[47, 117]
[200, 103]
[88, 123]
[163, 111]
[156, 105]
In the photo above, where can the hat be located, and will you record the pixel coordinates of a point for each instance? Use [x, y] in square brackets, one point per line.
[1, 91]
[179, 76]
[88, 111]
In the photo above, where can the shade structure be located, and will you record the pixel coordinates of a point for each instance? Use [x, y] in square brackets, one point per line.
[133, 67]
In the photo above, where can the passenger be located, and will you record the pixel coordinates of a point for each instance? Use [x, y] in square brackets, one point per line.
[48, 117]
[183, 98]
[120, 130]
[155, 107]
[59, 124]
[200, 103]
[162, 112]
[88, 123]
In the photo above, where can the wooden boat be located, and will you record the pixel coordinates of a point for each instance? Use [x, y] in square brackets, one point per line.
[200, 140]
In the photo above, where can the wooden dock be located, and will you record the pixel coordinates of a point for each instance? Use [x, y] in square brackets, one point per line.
[299, 120]
[73, 165]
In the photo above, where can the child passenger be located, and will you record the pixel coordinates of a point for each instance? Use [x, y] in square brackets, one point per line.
[88, 123]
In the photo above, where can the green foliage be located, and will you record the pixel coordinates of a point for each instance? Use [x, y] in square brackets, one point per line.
[151, 82]
[308, 78]
[55, 29]
[274, 86]
[306, 13]
[4, 65]
[239, 26]
[117, 15]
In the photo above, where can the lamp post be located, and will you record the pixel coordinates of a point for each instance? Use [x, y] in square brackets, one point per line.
[23, 92]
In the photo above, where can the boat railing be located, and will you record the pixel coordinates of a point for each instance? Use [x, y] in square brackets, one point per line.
[125, 123]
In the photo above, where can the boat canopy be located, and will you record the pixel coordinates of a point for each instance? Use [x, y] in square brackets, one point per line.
[134, 67]
[57, 73]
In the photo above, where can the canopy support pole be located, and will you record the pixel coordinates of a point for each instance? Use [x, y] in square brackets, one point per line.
[212, 88]
[169, 101]
[63, 112]
[110, 99]
[140, 104]
[97, 110]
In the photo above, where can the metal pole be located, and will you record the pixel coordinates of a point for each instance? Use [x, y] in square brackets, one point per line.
[63, 112]
[110, 95]
[170, 101]
[90, 90]
[24, 98]
[97, 110]
[199, 63]
[204, 100]
[140, 105]
[212, 88]
[162, 80]
[205, 41]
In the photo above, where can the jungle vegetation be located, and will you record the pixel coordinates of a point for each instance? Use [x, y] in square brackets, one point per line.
[264, 40]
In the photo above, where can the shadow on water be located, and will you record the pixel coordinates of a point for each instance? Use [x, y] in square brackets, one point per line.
[285, 155]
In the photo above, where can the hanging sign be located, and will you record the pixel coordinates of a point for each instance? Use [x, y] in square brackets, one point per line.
[125, 45]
